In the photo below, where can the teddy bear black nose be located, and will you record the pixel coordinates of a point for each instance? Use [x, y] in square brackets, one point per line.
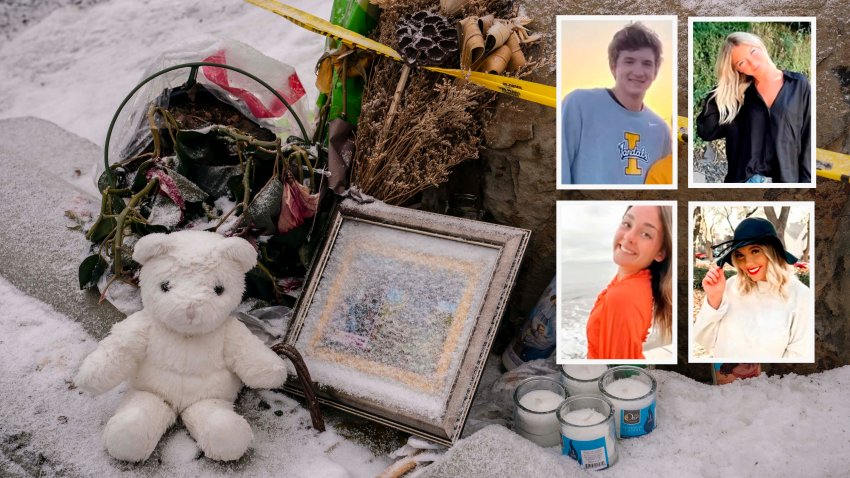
[219, 290]
[165, 286]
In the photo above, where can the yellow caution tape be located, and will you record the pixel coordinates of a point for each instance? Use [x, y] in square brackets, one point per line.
[326, 28]
[837, 164]
[526, 90]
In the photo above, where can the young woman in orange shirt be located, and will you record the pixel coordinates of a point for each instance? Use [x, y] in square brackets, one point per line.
[637, 305]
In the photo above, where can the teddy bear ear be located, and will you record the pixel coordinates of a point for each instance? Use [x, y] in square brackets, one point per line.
[150, 246]
[240, 251]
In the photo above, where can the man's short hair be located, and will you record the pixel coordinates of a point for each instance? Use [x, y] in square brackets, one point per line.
[634, 37]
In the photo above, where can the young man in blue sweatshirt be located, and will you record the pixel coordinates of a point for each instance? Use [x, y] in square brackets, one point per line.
[608, 136]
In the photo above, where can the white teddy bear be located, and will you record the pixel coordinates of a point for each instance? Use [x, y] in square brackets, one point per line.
[183, 353]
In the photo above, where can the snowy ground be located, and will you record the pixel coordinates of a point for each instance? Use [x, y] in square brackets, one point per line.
[72, 65]
[49, 428]
[75, 65]
[791, 426]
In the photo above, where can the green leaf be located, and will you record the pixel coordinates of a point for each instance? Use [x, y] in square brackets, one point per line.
[189, 190]
[214, 180]
[140, 180]
[90, 271]
[292, 239]
[258, 284]
[192, 146]
[143, 229]
[102, 181]
[118, 204]
[202, 146]
[102, 228]
[305, 254]
[265, 208]
[234, 184]
[120, 175]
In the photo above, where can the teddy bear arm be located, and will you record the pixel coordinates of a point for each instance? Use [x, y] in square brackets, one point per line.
[115, 357]
[250, 359]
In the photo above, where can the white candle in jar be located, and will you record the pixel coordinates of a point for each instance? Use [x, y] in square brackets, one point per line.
[633, 398]
[579, 379]
[584, 417]
[628, 388]
[588, 434]
[537, 421]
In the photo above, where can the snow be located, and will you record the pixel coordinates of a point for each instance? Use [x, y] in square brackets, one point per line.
[55, 429]
[75, 65]
[73, 62]
[766, 426]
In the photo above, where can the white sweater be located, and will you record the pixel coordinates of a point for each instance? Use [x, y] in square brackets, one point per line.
[758, 326]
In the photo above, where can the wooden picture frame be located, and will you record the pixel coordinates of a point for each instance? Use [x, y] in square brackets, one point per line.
[399, 311]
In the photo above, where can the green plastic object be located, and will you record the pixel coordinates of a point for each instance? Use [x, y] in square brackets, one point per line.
[358, 16]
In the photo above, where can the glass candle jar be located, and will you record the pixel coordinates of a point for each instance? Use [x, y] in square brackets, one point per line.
[582, 379]
[536, 402]
[587, 431]
[631, 390]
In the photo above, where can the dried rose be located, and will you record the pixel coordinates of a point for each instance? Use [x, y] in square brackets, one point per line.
[297, 204]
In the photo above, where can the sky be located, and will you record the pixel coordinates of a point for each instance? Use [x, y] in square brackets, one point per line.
[586, 228]
[584, 63]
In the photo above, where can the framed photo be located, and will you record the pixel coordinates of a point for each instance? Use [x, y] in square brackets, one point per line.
[399, 312]
[616, 271]
[752, 276]
[616, 89]
[752, 102]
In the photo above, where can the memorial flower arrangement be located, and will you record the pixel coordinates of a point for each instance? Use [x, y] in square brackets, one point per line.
[416, 125]
[203, 165]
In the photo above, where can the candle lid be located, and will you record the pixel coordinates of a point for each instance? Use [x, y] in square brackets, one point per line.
[547, 383]
[577, 379]
[632, 371]
[594, 402]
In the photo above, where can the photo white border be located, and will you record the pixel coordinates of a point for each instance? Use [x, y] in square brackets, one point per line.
[813, 81]
[674, 94]
[810, 207]
[559, 276]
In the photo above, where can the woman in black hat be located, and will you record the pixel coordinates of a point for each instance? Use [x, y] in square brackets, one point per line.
[763, 312]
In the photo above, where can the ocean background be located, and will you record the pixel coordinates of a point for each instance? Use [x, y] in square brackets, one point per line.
[581, 283]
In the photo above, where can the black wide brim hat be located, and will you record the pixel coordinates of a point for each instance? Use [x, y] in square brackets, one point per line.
[752, 230]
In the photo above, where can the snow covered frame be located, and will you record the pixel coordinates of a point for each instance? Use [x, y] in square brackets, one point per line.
[399, 311]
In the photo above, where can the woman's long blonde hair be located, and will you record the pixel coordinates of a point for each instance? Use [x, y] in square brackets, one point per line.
[731, 84]
[778, 273]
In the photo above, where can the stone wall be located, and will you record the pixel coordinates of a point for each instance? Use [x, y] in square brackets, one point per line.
[518, 169]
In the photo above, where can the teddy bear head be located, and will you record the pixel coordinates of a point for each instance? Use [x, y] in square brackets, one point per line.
[192, 280]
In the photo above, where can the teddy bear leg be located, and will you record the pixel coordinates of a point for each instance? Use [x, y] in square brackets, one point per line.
[221, 433]
[138, 424]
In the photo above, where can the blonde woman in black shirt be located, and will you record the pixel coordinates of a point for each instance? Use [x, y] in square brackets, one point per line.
[763, 112]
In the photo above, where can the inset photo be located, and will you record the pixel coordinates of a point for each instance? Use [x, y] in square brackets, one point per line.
[752, 102]
[752, 281]
[616, 85]
[616, 268]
